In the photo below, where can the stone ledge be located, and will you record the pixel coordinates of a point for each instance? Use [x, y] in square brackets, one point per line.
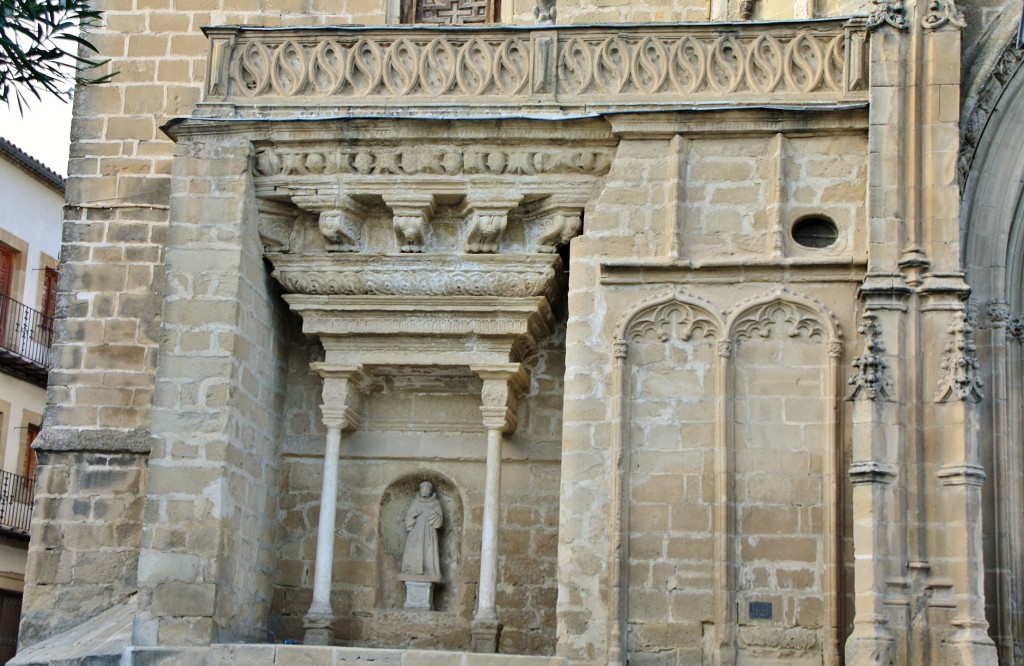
[287, 655]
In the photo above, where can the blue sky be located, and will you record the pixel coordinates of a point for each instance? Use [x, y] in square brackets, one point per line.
[43, 132]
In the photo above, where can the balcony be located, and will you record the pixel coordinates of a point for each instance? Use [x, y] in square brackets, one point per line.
[532, 71]
[16, 495]
[25, 336]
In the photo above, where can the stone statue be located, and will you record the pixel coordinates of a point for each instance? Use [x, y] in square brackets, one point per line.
[421, 567]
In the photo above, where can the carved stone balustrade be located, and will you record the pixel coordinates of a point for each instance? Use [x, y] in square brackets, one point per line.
[452, 72]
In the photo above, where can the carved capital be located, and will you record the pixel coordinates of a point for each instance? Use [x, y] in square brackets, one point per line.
[870, 381]
[561, 217]
[488, 217]
[620, 348]
[277, 220]
[340, 219]
[412, 213]
[503, 384]
[959, 365]
[1015, 328]
[342, 395]
[943, 12]
[997, 314]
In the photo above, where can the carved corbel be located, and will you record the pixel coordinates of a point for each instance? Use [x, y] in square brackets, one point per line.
[412, 213]
[503, 384]
[277, 220]
[340, 218]
[487, 222]
[342, 395]
[561, 220]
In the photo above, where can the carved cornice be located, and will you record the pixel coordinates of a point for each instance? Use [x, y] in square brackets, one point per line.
[507, 70]
[870, 381]
[959, 366]
[509, 276]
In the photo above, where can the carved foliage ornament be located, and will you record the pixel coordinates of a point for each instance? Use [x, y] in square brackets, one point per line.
[943, 12]
[959, 365]
[888, 12]
[870, 381]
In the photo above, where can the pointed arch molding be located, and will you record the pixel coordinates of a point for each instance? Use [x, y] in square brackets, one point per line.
[681, 317]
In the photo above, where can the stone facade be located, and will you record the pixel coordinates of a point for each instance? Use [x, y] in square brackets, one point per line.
[677, 318]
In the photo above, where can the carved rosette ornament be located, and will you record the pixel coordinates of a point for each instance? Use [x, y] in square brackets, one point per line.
[960, 364]
[870, 381]
[890, 13]
[943, 12]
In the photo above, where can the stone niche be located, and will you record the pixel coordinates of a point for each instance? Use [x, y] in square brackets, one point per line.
[392, 535]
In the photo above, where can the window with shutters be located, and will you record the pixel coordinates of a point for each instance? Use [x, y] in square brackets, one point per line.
[8, 255]
[451, 12]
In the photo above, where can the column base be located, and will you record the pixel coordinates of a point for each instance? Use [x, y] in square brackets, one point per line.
[319, 629]
[485, 635]
[972, 645]
[870, 644]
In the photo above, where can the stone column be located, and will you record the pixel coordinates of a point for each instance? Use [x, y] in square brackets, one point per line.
[960, 476]
[502, 384]
[872, 474]
[340, 410]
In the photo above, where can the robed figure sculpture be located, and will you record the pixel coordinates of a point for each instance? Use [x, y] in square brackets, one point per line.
[421, 562]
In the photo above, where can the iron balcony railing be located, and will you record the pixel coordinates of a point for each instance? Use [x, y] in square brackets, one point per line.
[16, 494]
[25, 337]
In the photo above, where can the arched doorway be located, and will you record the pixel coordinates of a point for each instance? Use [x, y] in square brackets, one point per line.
[992, 223]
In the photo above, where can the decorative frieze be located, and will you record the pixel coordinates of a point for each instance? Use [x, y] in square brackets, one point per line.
[430, 160]
[959, 366]
[870, 381]
[594, 67]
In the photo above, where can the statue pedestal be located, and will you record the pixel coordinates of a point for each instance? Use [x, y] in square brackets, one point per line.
[419, 595]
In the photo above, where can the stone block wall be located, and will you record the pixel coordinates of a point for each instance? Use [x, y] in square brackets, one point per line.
[660, 398]
[86, 526]
[207, 545]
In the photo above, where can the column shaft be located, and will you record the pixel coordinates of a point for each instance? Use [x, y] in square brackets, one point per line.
[486, 594]
[320, 617]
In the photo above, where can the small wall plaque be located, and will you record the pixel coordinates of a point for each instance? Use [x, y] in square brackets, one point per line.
[760, 610]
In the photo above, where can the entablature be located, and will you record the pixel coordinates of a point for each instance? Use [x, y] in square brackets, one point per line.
[531, 71]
